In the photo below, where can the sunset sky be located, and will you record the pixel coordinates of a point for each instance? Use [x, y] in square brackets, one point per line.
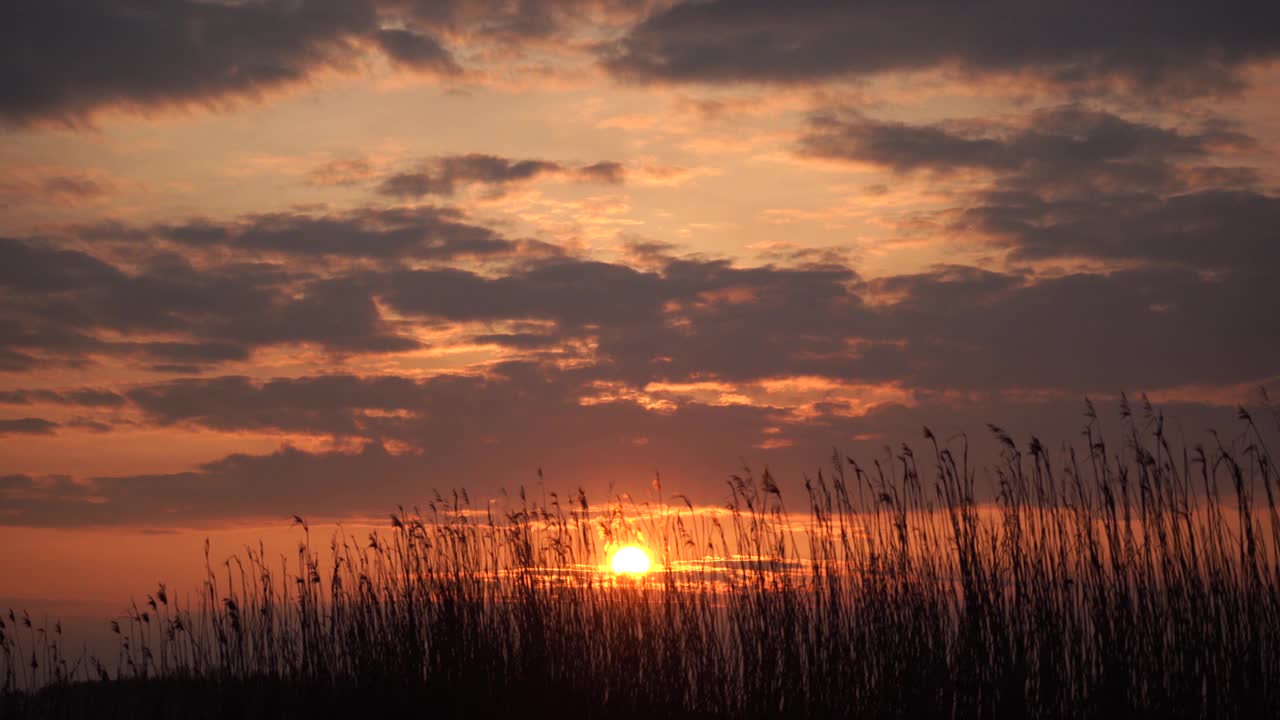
[260, 258]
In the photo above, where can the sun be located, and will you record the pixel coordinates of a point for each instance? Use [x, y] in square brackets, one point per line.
[630, 560]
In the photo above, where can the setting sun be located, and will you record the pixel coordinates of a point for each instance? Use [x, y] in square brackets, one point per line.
[630, 560]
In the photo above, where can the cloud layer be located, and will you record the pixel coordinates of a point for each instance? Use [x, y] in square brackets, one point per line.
[607, 237]
[1166, 48]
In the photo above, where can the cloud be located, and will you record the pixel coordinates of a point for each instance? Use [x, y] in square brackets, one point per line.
[672, 331]
[1052, 148]
[518, 22]
[1152, 46]
[27, 426]
[64, 306]
[415, 50]
[87, 397]
[682, 319]
[328, 404]
[90, 425]
[377, 233]
[65, 59]
[188, 355]
[446, 174]
[607, 172]
[37, 267]
[707, 360]
[1085, 332]
[955, 327]
[415, 347]
[574, 292]
[1210, 229]
[1075, 183]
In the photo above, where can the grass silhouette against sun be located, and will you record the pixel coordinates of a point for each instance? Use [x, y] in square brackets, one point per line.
[1139, 578]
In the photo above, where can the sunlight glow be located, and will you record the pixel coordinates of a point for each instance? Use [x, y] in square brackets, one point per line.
[630, 560]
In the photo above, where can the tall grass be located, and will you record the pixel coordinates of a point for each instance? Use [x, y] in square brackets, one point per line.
[1139, 578]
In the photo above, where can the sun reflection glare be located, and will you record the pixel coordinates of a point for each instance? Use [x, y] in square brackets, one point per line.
[630, 560]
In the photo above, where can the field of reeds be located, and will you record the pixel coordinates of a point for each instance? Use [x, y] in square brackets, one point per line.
[1134, 576]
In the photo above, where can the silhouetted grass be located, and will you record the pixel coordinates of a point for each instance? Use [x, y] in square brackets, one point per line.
[1131, 580]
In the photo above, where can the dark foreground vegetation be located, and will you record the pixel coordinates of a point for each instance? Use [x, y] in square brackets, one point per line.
[1136, 579]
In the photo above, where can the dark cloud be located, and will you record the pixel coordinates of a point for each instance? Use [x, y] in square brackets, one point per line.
[519, 21]
[13, 361]
[955, 327]
[572, 292]
[336, 313]
[93, 397]
[15, 482]
[415, 50]
[190, 354]
[176, 369]
[65, 58]
[746, 323]
[1070, 182]
[441, 176]
[1212, 229]
[41, 268]
[62, 487]
[952, 332]
[88, 397]
[425, 233]
[27, 426]
[328, 404]
[1139, 329]
[59, 303]
[445, 175]
[1056, 148]
[966, 328]
[1179, 47]
[595, 342]
[603, 172]
[89, 424]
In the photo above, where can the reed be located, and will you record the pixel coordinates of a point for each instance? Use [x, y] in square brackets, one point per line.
[1134, 578]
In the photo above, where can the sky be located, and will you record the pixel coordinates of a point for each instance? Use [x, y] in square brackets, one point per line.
[277, 257]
